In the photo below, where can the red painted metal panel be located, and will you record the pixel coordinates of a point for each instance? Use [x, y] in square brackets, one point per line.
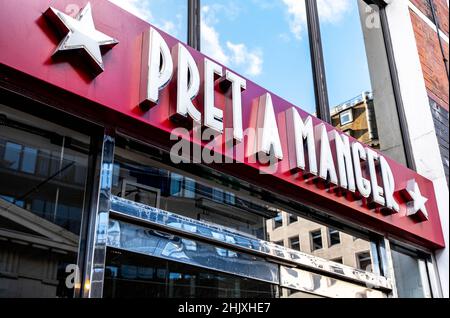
[27, 42]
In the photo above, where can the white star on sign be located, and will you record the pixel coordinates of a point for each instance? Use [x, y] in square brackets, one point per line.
[416, 205]
[81, 34]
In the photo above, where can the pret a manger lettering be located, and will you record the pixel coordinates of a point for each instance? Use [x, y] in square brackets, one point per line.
[312, 149]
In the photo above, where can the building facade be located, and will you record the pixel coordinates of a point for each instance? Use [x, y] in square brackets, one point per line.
[109, 187]
[356, 117]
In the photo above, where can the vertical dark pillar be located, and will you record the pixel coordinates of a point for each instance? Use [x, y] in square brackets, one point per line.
[194, 24]
[317, 62]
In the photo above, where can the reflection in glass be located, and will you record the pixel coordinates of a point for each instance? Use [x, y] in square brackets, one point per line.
[344, 51]
[160, 244]
[364, 260]
[294, 243]
[351, 96]
[360, 91]
[340, 245]
[333, 237]
[130, 275]
[221, 200]
[300, 280]
[316, 239]
[185, 196]
[411, 282]
[43, 178]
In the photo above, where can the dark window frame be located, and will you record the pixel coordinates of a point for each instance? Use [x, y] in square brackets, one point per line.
[359, 259]
[331, 231]
[311, 236]
[292, 218]
[295, 237]
[275, 221]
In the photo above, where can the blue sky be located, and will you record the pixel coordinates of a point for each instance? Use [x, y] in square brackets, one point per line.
[267, 42]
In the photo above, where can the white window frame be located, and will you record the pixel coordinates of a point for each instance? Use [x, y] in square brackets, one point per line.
[348, 112]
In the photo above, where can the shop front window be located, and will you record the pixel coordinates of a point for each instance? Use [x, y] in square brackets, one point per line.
[219, 199]
[411, 273]
[130, 275]
[150, 263]
[43, 170]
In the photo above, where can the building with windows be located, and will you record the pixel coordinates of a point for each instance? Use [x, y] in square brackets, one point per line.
[168, 149]
[356, 117]
[322, 241]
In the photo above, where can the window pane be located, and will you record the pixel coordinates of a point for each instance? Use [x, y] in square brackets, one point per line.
[273, 54]
[344, 51]
[334, 237]
[185, 196]
[129, 275]
[292, 218]
[316, 240]
[408, 277]
[278, 221]
[12, 155]
[281, 243]
[364, 261]
[358, 77]
[40, 208]
[223, 200]
[294, 243]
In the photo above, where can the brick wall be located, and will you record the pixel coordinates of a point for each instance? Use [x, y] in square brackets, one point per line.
[433, 68]
[440, 118]
[441, 11]
[431, 58]
[442, 14]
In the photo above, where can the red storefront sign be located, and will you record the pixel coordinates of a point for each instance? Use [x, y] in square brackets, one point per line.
[398, 201]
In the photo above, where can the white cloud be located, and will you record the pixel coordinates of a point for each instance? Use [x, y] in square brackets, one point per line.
[330, 11]
[242, 56]
[168, 27]
[233, 54]
[141, 9]
[210, 37]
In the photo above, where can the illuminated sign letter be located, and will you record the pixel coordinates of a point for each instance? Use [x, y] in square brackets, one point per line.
[238, 84]
[188, 82]
[362, 184]
[388, 185]
[213, 115]
[297, 131]
[326, 165]
[267, 136]
[377, 191]
[344, 161]
[157, 67]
